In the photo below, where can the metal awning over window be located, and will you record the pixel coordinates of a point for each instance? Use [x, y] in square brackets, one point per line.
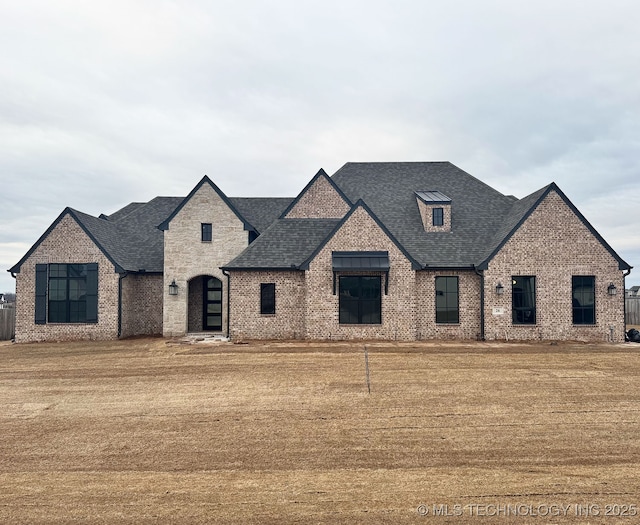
[360, 262]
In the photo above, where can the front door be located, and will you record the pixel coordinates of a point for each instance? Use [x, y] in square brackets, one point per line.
[212, 308]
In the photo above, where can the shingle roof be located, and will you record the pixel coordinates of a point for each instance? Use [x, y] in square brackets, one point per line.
[261, 211]
[389, 189]
[285, 244]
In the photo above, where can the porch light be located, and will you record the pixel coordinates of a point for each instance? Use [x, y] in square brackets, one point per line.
[612, 290]
[499, 289]
[173, 288]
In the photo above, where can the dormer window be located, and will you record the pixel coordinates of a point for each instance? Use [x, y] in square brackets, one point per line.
[438, 217]
[435, 211]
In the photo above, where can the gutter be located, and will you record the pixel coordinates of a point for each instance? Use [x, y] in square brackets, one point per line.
[480, 273]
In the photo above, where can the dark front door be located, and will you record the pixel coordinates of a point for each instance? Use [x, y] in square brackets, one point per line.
[212, 308]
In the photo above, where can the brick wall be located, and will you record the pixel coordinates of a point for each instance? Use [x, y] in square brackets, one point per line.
[141, 305]
[553, 245]
[361, 233]
[66, 244]
[186, 256]
[320, 201]
[289, 320]
[468, 302]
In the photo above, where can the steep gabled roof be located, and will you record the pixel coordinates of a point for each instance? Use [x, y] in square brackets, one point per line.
[131, 241]
[360, 204]
[99, 231]
[206, 180]
[520, 212]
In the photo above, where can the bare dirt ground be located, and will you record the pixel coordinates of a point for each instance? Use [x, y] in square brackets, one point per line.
[151, 431]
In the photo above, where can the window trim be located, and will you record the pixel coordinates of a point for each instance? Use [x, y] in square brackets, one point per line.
[580, 308]
[447, 296]
[206, 232]
[517, 309]
[267, 298]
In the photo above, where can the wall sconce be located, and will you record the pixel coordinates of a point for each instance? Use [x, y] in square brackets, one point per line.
[499, 289]
[173, 288]
[612, 290]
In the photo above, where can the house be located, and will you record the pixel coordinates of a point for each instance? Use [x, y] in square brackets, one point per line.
[392, 251]
[633, 291]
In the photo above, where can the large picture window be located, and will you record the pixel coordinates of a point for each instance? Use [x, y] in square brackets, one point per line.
[360, 299]
[447, 309]
[583, 292]
[523, 296]
[72, 293]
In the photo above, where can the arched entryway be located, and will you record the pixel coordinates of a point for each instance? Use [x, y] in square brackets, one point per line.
[205, 304]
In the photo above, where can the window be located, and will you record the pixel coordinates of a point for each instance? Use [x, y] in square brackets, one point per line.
[438, 216]
[268, 298]
[66, 293]
[523, 297]
[207, 231]
[447, 310]
[360, 299]
[583, 293]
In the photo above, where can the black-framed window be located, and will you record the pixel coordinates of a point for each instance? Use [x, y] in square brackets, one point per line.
[66, 293]
[523, 299]
[447, 302]
[206, 229]
[583, 294]
[268, 298]
[438, 216]
[360, 299]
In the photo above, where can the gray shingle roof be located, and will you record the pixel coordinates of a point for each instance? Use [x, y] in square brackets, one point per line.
[389, 189]
[285, 244]
[261, 211]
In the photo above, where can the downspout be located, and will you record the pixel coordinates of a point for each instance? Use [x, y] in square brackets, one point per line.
[120, 277]
[480, 273]
[228, 276]
[624, 299]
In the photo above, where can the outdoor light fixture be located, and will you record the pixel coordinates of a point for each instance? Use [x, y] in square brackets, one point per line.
[499, 289]
[173, 288]
[612, 289]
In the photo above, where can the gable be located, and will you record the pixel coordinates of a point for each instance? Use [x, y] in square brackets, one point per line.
[557, 224]
[320, 199]
[361, 230]
[69, 229]
[196, 195]
[553, 229]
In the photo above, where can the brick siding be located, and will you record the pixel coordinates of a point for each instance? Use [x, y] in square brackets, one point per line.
[320, 201]
[289, 320]
[553, 245]
[67, 243]
[141, 305]
[426, 214]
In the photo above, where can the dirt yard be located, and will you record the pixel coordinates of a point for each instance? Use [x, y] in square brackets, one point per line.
[150, 431]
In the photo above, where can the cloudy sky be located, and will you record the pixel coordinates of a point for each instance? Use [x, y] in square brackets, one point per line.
[104, 103]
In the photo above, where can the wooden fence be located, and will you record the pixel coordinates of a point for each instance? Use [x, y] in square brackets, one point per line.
[633, 310]
[7, 323]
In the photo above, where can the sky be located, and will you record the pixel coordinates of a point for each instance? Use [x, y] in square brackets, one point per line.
[106, 103]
